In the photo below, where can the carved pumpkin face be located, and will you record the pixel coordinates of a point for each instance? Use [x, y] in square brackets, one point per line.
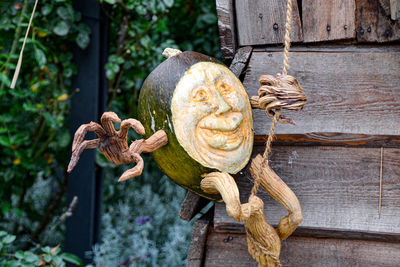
[206, 114]
[212, 117]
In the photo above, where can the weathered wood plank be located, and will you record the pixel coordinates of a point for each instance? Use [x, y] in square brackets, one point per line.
[199, 239]
[373, 25]
[263, 22]
[191, 205]
[240, 60]
[350, 93]
[333, 139]
[230, 250]
[394, 9]
[226, 26]
[328, 20]
[337, 187]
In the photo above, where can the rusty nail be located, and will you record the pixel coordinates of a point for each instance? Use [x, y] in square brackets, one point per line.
[361, 31]
[260, 15]
[369, 29]
[345, 27]
[275, 26]
[328, 28]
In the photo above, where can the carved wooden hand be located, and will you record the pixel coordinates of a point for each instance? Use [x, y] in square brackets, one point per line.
[113, 144]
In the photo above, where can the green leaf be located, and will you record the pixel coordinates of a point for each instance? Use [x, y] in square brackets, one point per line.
[46, 9]
[209, 18]
[40, 57]
[111, 2]
[30, 257]
[82, 39]
[61, 29]
[4, 79]
[169, 3]
[66, 13]
[3, 233]
[141, 10]
[71, 258]
[5, 141]
[19, 254]
[64, 139]
[5, 208]
[51, 121]
[8, 239]
[29, 107]
[82, 27]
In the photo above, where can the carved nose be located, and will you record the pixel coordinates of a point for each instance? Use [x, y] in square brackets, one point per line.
[222, 105]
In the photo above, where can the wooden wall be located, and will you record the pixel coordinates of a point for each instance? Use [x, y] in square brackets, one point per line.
[346, 56]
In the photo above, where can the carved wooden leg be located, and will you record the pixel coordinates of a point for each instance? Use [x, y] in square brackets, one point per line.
[263, 241]
[279, 191]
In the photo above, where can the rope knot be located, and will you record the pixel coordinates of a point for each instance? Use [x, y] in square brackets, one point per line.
[279, 92]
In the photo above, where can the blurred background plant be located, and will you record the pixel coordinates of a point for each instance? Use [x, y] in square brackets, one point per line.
[140, 224]
[34, 133]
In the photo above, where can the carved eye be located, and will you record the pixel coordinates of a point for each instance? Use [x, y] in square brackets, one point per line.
[200, 94]
[224, 88]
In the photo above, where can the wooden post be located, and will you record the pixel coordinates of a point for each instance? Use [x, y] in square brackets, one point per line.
[88, 105]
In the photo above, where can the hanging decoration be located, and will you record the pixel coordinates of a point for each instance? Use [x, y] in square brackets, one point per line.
[197, 119]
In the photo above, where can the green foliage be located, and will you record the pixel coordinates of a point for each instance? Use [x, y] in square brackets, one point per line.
[34, 134]
[42, 256]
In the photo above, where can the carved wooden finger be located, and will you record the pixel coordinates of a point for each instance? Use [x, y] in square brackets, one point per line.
[126, 124]
[279, 191]
[107, 120]
[82, 131]
[263, 241]
[154, 142]
[135, 171]
[78, 151]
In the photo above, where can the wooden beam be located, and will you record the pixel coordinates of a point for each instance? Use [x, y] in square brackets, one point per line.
[226, 26]
[192, 204]
[231, 250]
[348, 93]
[197, 247]
[338, 189]
[263, 22]
[328, 20]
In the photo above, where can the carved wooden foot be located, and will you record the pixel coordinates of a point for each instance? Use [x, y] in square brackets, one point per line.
[263, 241]
[113, 144]
[279, 191]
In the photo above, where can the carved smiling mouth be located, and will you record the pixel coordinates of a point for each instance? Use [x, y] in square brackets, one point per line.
[223, 131]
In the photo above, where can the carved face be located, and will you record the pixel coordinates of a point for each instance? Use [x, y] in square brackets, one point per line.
[212, 117]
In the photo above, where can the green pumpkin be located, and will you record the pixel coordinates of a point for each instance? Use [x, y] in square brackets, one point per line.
[206, 114]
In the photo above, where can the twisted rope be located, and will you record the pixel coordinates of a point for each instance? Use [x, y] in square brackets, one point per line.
[276, 117]
[288, 27]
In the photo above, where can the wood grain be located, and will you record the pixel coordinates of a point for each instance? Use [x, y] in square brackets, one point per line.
[337, 187]
[198, 243]
[349, 93]
[333, 139]
[256, 20]
[226, 27]
[230, 250]
[373, 24]
[328, 20]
